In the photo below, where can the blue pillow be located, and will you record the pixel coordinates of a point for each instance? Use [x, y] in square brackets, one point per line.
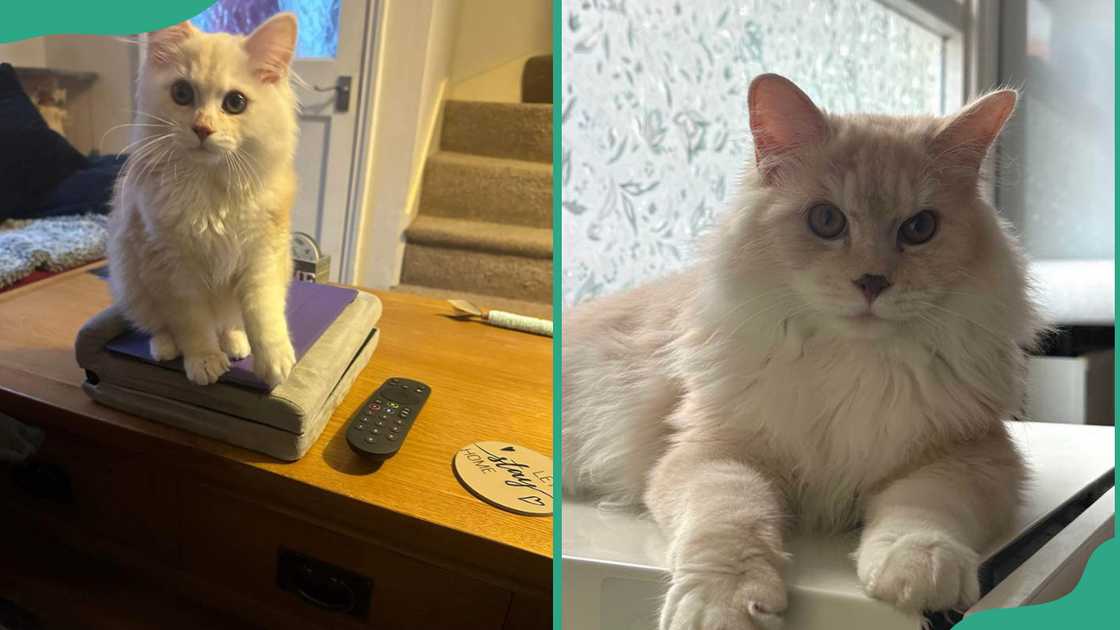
[87, 190]
[33, 157]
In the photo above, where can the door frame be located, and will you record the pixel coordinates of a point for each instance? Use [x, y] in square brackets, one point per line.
[364, 115]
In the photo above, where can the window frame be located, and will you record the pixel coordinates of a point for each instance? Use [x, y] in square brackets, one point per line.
[970, 61]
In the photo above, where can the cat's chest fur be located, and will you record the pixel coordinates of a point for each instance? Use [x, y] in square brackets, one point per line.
[211, 232]
[834, 417]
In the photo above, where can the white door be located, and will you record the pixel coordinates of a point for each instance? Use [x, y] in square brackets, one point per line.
[334, 38]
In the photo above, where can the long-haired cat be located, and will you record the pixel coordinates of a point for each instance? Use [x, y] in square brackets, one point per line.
[843, 353]
[199, 233]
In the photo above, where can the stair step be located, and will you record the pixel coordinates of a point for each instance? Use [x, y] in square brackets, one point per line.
[495, 238]
[488, 302]
[503, 275]
[536, 80]
[462, 186]
[516, 131]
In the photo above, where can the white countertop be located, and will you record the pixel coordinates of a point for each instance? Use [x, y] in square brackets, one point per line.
[1064, 460]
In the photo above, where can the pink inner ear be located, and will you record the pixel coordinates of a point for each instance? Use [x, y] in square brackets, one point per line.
[162, 43]
[272, 46]
[782, 119]
[967, 136]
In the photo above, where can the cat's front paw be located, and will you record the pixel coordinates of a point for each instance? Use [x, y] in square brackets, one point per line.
[234, 343]
[751, 600]
[162, 347]
[920, 571]
[204, 369]
[273, 362]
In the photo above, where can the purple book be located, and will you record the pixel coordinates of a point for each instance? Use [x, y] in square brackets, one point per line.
[311, 310]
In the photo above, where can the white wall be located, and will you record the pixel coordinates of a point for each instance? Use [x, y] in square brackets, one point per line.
[29, 53]
[426, 49]
[106, 102]
[109, 98]
[493, 40]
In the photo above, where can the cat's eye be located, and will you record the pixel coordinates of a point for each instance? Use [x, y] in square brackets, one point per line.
[827, 221]
[182, 92]
[234, 102]
[919, 228]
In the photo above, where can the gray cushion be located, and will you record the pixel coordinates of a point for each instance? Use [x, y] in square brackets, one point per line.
[283, 423]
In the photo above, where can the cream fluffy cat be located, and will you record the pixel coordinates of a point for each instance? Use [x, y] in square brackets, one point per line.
[843, 354]
[199, 233]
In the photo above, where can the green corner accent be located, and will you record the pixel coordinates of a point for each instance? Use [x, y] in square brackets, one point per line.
[1091, 605]
[32, 18]
[557, 318]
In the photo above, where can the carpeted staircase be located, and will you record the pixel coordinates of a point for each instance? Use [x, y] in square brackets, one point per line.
[484, 227]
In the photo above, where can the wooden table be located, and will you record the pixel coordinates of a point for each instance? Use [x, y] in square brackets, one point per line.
[213, 517]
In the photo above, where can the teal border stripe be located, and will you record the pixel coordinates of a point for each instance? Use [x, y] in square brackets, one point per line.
[32, 18]
[557, 318]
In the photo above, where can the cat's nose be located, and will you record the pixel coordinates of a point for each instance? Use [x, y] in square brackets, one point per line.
[872, 285]
[202, 131]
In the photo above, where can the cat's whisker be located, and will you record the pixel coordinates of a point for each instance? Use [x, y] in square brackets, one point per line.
[155, 117]
[754, 316]
[966, 318]
[101, 142]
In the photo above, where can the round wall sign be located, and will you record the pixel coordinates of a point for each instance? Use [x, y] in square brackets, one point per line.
[508, 476]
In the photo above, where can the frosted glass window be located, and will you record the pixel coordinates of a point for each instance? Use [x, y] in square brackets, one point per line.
[1058, 157]
[318, 21]
[654, 121]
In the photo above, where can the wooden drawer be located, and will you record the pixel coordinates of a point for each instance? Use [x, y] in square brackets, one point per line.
[235, 542]
[109, 494]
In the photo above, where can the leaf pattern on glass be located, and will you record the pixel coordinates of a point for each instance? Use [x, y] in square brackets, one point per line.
[654, 123]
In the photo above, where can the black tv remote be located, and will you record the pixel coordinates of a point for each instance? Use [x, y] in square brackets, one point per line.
[380, 425]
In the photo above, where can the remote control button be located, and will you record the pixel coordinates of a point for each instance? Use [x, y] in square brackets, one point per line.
[406, 410]
[384, 416]
[369, 440]
[392, 436]
[380, 423]
[394, 405]
[419, 390]
[375, 431]
[360, 426]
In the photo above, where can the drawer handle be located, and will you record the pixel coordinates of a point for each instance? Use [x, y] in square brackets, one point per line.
[44, 481]
[329, 594]
[323, 585]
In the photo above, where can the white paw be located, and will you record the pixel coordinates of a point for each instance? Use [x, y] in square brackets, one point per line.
[204, 369]
[162, 347]
[751, 600]
[273, 362]
[920, 571]
[234, 343]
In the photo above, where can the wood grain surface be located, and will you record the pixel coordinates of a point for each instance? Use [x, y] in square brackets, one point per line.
[487, 384]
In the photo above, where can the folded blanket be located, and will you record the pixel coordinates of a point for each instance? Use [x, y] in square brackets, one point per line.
[53, 244]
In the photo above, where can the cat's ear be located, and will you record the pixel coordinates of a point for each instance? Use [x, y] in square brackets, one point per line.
[783, 119]
[271, 47]
[162, 43]
[966, 137]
